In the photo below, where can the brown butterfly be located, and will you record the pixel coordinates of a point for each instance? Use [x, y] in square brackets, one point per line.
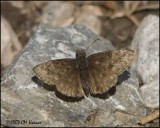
[95, 74]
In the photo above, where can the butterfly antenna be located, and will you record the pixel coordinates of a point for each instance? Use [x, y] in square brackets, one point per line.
[91, 44]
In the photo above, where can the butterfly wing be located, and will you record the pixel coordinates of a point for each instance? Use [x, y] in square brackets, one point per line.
[105, 66]
[63, 74]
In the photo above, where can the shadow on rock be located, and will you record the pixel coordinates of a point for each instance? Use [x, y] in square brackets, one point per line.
[123, 77]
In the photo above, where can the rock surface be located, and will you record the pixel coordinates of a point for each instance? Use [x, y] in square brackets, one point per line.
[145, 68]
[25, 99]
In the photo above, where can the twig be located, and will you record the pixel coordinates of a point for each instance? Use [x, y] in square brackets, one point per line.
[149, 118]
[147, 7]
[135, 6]
[129, 13]
[133, 19]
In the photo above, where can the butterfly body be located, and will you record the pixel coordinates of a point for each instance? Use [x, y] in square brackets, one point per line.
[95, 74]
[82, 65]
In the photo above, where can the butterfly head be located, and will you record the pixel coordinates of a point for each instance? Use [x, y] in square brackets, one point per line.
[80, 53]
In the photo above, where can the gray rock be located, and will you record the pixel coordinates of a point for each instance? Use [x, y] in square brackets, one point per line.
[28, 101]
[127, 120]
[145, 67]
[150, 94]
[101, 118]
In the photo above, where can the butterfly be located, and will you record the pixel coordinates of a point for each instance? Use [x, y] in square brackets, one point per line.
[79, 77]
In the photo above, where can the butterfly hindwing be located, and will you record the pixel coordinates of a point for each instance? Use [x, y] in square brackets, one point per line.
[63, 74]
[101, 82]
[104, 67]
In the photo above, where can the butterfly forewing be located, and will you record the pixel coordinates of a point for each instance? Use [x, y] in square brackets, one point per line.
[121, 59]
[63, 74]
[104, 67]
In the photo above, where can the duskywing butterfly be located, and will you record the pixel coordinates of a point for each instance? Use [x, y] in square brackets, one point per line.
[95, 74]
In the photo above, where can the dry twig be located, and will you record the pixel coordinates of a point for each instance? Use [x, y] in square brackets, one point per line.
[134, 7]
[149, 118]
[147, 7]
